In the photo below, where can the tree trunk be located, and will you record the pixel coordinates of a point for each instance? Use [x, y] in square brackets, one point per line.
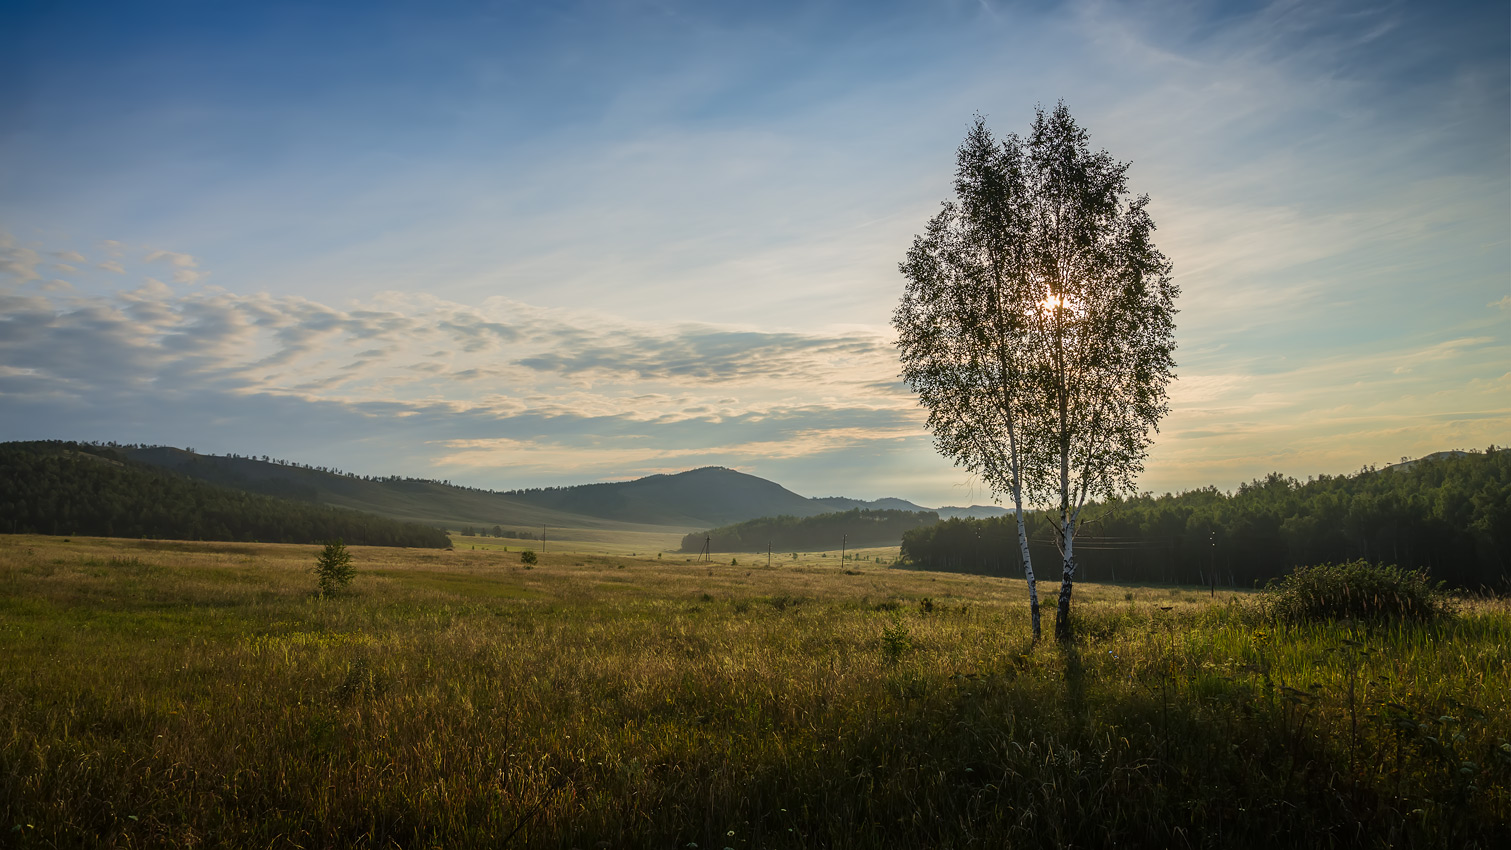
[1067, 519]
[1067, 578]
[1028, 566]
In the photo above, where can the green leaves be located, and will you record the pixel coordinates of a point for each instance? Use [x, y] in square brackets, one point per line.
[1037, 325]
[895, 640]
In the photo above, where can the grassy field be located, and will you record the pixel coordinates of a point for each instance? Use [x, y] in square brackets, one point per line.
[197, 694]
[650, 544]
[582, 541]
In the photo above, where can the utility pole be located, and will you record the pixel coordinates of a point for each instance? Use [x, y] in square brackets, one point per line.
[843, 543]
[768, 554]
[542, 539]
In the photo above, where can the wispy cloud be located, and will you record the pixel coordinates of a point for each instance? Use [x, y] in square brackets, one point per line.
[697, 258]
[504, 387]
[18, 261]
[185, 267]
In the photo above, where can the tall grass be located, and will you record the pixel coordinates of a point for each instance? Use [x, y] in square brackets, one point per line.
[201, 695]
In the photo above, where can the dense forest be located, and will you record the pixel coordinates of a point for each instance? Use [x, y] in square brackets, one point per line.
[859, 527]
[78, 489]
[1448, 514]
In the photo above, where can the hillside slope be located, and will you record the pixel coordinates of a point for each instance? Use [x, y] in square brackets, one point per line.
[699, 497]
[686, 501]
[409, 499]
[68, 488]
[1448, 513]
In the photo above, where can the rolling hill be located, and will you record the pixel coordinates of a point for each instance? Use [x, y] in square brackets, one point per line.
[696, 498]
[409, 499]
[77, 489]
[840, 503]
[686, 501]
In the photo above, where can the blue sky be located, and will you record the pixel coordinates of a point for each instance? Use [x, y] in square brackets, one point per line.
[518, 244]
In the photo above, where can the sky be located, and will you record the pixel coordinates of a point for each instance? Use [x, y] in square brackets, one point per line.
[526, 244]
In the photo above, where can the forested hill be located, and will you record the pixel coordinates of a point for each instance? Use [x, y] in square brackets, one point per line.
[832, 504]
[710, 495]
[698, 497]
[1449, 513]
[397, 497]
[68, 488]
[694, 499]
[857, 527]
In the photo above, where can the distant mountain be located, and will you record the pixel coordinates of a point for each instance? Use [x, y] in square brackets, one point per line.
[972, 512]
[840, 503]
[686, 501]
[410, 499]
[696, 499]
[712, 495]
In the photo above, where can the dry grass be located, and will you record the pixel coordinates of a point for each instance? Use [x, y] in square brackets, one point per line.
[183, 694]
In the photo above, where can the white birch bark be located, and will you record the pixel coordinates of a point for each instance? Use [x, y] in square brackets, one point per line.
[1028, 562]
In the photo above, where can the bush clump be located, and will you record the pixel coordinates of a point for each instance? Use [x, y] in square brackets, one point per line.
[1357, 590]
[528, 558]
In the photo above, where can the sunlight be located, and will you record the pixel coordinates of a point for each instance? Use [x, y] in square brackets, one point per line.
[1051, 303]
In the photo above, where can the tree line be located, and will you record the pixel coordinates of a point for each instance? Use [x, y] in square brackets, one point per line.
[65, 488]
[858, 527]
[497, 531]
[1448, 515]
[205, 461]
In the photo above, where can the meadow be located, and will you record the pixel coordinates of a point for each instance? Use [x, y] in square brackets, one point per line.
[180, 694]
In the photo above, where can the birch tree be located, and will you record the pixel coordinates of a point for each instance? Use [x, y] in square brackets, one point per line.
[1103, 326]
[1037, 327]
[963, 329]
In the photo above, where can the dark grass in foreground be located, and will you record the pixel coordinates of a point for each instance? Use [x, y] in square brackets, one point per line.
[188, 695]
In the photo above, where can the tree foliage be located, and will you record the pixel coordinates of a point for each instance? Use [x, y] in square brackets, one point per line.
[333, 567]
[1037, 326]
[861, 527]
[963, 324]
[1105, 332]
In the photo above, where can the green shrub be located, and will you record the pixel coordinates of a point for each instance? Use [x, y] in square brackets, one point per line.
[1357, 590]
[333, 567]
[895, 641]
[528, 557]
